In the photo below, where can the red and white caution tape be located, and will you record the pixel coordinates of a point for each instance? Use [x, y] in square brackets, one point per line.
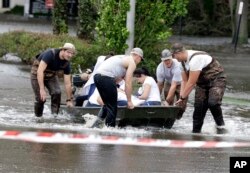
[50, 137]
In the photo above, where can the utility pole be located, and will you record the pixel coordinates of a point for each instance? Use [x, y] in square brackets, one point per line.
[26, 8]
[130, 26]
[238, 27]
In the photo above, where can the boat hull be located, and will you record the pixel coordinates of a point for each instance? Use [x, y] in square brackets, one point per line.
[158, 116]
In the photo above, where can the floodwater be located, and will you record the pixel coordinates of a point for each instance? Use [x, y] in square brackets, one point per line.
[16, 113]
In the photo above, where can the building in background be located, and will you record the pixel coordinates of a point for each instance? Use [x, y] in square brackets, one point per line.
[34, 8]
[6, 5]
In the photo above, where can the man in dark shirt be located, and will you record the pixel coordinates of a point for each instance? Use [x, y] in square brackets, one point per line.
[44, 74]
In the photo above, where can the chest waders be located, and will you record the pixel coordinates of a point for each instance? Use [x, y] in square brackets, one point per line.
[51, 82]
[209, 91]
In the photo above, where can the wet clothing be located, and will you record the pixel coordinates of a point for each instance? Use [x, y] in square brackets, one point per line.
[53, 87]
[105, 79]
[108, 91]
[51, 81]
[209, 89]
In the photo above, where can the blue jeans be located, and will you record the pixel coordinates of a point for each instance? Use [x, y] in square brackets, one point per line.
[80, 99]
[150, 103]
[122, 103]
[91, 105]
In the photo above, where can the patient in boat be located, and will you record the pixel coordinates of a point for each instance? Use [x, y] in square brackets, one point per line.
[96, 101]
[149, 90]
[89, 87]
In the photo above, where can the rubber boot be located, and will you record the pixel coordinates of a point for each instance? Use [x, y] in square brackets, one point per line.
[38, 108]
[217, 114]
[55, 103]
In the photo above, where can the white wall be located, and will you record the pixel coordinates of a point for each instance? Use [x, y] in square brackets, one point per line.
[13, 3]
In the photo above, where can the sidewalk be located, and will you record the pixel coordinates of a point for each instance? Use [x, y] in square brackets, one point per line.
[43, 25]
[211, 44]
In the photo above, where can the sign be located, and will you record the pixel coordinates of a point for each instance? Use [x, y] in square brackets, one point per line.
[49, 3]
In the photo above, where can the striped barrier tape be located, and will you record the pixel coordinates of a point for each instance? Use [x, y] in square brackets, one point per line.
[72, 138]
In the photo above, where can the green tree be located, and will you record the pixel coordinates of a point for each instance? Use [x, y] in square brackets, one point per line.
[87, 16]
[152, 25]
[207, 17]
[111, 27]
[59, 17]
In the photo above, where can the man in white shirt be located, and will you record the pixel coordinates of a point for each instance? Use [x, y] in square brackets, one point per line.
[205, 73]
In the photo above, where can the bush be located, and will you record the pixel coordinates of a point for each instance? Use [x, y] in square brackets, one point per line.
[18, 10]
[27, 44]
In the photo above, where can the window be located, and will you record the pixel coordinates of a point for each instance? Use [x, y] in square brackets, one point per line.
[6, 3]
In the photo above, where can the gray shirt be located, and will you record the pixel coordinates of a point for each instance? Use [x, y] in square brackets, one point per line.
[169, 74]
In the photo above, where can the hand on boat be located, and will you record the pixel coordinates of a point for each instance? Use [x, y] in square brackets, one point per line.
[182, 104]
[130, 105]
[70, 104]
[179, 102]
[164, 103]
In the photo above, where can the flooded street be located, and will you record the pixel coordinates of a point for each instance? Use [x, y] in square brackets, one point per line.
[16, 113]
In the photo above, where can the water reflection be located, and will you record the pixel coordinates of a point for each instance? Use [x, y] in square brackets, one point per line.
[54, 156]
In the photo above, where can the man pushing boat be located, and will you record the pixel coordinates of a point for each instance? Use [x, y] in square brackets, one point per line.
[110, 71]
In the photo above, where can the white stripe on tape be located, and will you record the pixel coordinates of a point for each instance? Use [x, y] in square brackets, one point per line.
[50, 137]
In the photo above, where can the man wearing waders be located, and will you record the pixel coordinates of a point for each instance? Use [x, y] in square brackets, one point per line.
[44, 74]
[111, 72]
[205, 73]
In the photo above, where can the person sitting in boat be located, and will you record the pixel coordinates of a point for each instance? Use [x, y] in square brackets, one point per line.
[149, 90]
[89, 87]
[169, 79]
[122, 99]
[95, 99]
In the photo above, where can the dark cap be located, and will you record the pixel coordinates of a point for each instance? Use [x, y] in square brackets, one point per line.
[177, 47]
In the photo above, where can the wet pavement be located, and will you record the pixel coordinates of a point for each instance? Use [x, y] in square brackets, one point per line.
[12, 23]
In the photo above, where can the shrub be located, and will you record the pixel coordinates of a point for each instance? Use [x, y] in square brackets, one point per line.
[27, 44]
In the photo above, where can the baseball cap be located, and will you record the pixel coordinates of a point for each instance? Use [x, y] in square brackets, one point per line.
[166, 54]
[138, 51]
[177, 47]
[69, 46]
